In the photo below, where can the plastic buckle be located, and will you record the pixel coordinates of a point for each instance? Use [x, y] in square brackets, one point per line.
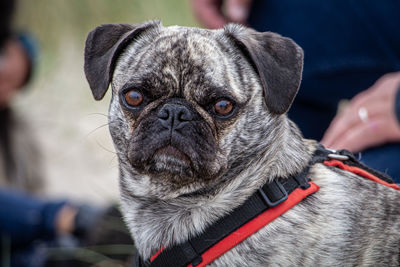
[191, 253]
[268, 201]
[197, 261]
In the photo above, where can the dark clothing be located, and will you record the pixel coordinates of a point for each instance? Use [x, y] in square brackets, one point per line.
[6, 11]
[348, 45]
[25, 219]
[397, 104]
[5, 148]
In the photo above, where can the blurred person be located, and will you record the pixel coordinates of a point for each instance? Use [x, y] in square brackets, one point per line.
[19, 156]
[37, 233]
[351, 52]
[29, 227]
[33, 231]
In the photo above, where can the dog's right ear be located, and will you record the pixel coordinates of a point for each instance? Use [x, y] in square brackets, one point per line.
[103, 45]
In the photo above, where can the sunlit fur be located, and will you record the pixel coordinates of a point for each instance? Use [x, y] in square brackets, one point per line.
[348, 222]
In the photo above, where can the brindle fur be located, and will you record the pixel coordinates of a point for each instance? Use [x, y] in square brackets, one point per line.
[165, 200]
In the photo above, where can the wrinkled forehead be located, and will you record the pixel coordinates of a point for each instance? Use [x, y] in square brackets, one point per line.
[180, 61]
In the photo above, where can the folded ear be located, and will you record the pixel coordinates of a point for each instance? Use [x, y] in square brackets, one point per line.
[103, 45]
[277, 60]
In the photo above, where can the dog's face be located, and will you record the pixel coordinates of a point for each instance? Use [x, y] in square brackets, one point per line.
[190, 106]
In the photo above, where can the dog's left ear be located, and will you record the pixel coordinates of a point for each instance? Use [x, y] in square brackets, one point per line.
[103, 45]
[277, 60]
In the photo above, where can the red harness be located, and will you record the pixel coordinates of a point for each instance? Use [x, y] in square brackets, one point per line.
[254, 225]
[360, 172]
[264, 218]
[251, 227]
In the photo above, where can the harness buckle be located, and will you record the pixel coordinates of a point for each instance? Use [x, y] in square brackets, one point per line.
[338, 156]
[276, 189]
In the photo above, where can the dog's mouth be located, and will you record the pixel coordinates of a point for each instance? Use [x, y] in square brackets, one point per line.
[171, 160]
[173, 154]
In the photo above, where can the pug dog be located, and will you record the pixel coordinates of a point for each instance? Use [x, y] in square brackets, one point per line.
[198, 119]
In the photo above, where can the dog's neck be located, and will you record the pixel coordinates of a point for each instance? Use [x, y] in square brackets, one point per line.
[157, 223]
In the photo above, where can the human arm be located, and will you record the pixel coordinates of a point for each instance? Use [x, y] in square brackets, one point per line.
[24, 218]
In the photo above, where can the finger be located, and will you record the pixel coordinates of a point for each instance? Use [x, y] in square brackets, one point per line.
[384, 88]
[378, 100]
[350, 117]
[342, 121]
[339, 125]
[209, 13]
[238, 10]
[362, 136]
[391, 127]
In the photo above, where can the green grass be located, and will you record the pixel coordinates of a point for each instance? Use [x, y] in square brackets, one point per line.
[64, 24]
[54, 20]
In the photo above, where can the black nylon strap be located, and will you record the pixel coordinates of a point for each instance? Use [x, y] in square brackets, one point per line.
[273, 193]
[268, 196]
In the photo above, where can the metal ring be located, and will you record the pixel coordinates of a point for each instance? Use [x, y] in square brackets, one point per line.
[363, 114]
[338, 157]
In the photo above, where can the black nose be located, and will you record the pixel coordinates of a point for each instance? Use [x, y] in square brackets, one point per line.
[174, 116]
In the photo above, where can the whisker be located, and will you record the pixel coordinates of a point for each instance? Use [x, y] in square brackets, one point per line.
[97, 113]
[97, 128]
[106, 149]
[106, 124]
[112, 159]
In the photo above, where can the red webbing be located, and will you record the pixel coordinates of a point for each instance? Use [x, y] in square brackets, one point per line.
[269, 215]
[254, 225]
[156, 254]
[360, 172]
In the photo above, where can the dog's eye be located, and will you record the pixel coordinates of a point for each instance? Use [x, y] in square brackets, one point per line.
[223, 107]
[133, 98]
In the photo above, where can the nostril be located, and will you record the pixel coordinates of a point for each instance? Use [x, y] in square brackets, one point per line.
[184, 115]
[163, 114]
[174, 116]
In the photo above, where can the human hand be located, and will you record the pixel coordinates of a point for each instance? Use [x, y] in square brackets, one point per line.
[65, 220]
[210, 12]
[14, 69]
[368, 120]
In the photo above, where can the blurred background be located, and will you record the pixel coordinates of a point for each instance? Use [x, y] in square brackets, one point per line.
[352, 56]
[71, 127]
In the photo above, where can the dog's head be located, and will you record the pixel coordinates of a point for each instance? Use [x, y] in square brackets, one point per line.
[189, 105]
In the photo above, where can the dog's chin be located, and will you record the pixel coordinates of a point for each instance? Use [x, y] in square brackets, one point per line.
[172, 172]
[171, 162]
